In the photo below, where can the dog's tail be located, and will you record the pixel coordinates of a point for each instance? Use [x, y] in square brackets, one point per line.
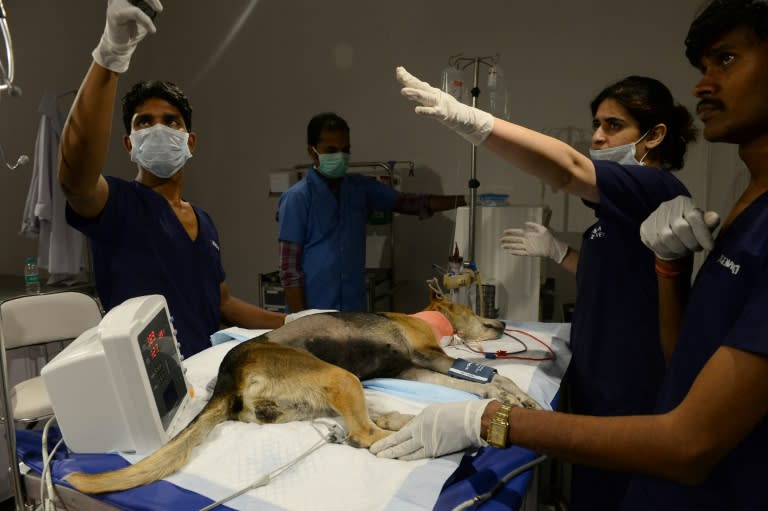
[160, 463]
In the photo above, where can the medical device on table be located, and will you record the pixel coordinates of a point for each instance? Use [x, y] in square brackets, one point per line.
[120, 385]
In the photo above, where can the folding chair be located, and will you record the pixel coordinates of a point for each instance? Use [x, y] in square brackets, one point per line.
[36, 320]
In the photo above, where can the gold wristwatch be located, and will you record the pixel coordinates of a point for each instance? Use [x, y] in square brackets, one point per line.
[499, 426]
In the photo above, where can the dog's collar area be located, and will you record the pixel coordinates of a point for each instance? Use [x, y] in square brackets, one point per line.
[441, 327]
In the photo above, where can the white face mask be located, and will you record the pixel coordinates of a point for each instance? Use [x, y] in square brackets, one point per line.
[160, 149]
[623, 154]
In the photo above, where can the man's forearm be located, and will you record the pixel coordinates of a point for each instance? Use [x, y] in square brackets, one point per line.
[674, 278]
[641, 444]
[247, 315]
[446, 202]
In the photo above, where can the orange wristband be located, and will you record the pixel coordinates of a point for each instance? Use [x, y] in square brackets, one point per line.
[667, 273]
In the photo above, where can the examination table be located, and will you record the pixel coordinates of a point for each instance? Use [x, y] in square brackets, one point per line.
[333, 477]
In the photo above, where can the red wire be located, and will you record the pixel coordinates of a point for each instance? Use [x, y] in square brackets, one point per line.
[498, 354]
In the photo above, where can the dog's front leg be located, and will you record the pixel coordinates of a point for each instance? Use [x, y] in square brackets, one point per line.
[501, 387]
[345, 395]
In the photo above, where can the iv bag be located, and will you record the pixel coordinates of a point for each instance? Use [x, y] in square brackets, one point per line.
[453, 82]
[497, 93]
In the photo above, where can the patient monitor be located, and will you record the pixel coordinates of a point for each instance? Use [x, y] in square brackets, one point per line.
[120, 385]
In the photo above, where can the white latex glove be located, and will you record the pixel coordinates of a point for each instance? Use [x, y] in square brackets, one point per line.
[678, 228]
[440, 429]
[534, 240]
[126, 26]
[306, 312]
[472, 124]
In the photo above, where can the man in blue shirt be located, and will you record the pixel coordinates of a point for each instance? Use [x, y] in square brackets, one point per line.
[145, 238]
[704, 446]
[323, 222]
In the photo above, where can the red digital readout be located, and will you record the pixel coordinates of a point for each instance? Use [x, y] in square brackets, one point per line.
[154, 346]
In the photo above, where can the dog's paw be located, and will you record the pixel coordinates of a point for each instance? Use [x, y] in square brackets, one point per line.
[367, 438]
[392, 421]
[508, 391]
[529, 403]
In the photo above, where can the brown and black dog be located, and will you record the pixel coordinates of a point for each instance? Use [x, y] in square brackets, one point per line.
[312, 367]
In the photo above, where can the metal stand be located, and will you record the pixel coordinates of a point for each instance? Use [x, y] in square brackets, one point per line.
[462, 62]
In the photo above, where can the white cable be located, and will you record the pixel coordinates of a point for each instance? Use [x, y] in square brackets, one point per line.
[46, 461]
[335, 435]
[49, 503]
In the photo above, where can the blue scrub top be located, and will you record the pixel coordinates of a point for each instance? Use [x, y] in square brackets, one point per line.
[728, 306]
[332, 233]
[617, 363]
[140, 247]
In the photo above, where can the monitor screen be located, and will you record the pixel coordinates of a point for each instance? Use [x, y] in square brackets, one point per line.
[166, 378]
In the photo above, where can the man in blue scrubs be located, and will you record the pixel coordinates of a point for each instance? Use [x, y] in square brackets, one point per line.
[145, 238]
[323, 222]
[704, 447]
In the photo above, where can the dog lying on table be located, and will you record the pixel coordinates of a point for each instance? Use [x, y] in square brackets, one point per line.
[312, 367]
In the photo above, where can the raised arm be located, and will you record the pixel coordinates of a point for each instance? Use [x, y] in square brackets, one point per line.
[85, 136]
[552, 161]
[84, 142]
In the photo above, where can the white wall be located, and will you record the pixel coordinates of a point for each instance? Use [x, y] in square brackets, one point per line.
[295, 58]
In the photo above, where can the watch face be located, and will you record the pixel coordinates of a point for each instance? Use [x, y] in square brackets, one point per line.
[497, 435]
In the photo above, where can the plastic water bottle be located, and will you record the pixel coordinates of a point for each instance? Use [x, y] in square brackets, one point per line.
[31, 276]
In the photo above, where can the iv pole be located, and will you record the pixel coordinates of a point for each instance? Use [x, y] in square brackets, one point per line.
[461, 62]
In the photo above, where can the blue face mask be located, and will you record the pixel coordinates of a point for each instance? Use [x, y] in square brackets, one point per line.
[623, 154]
[333, 165]
[160, 149]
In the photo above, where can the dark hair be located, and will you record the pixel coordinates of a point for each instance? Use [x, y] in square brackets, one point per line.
[716, 17]
[324, 121]
[649, 102]
[147, 89]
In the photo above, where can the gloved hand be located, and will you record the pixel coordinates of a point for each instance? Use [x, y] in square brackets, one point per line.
[440, 429]
[306, 312]
[126, 26]
[472, 124]
[534, 240]
[678, 228]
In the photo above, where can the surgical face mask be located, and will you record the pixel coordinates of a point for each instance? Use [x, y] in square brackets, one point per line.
[160, 149]
[623, 154]
[333, 165]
